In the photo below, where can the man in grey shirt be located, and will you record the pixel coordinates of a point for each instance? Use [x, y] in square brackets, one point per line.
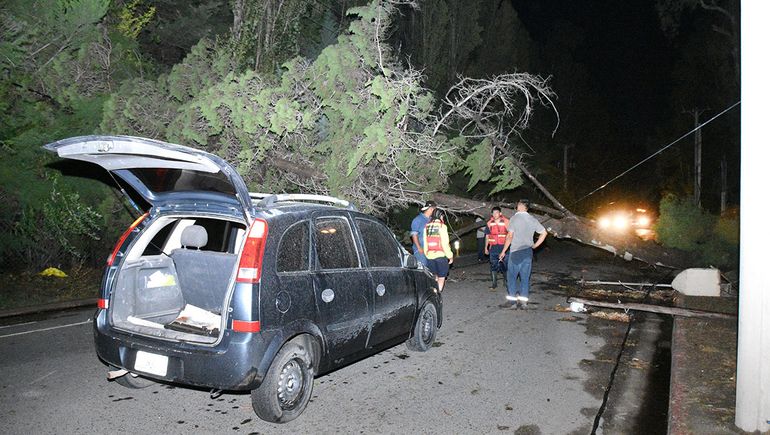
[521, 231]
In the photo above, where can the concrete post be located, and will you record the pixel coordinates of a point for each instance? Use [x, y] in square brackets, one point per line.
[752, 402]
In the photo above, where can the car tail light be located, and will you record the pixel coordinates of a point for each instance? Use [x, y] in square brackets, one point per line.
[111, 258]
[246, 326]
[250, 266]
[103, 303]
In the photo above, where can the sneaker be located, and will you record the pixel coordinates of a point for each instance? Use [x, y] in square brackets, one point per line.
[522, 305]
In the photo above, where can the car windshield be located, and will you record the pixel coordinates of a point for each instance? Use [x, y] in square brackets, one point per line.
[166, 180]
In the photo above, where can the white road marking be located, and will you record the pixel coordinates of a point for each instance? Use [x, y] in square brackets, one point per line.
[45, 329]
[40, 379]
[17, 324]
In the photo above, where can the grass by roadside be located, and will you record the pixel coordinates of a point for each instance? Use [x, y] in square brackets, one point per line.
[28, 289]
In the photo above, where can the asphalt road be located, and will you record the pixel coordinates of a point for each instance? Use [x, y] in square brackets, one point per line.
[491, 370]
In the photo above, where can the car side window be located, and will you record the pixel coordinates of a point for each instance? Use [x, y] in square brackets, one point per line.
[381, 248]
[293, 249]
[334, 244]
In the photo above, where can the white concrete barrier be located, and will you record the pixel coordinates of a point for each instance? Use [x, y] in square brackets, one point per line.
[697, 282]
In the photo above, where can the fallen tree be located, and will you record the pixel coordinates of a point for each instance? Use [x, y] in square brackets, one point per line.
[558, 224]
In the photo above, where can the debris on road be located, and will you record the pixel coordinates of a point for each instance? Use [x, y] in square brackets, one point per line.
[613, 316]
[685, 312]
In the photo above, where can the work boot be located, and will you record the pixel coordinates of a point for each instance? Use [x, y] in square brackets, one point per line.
[494, 280]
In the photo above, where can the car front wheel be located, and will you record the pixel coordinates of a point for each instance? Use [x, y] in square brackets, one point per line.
[284, 393]
[424, 330]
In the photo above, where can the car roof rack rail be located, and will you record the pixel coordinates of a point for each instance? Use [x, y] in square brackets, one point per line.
[268, 200]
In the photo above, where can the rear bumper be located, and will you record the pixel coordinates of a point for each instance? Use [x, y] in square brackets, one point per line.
[239, 362]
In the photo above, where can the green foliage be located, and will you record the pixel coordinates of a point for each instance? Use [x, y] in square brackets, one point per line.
[478, 164]
[508, 178]
[683, 225]
[60, 59]
[131, 19]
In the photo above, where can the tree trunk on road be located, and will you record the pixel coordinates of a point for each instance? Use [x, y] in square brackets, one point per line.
[579, 229]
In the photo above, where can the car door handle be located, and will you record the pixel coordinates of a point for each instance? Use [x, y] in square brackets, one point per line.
[327, 295]
[380, 290]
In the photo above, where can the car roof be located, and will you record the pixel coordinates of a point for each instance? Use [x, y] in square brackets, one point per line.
[295, 208]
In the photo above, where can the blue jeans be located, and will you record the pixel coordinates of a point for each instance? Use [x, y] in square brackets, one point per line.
[519, 264]
[421, 258]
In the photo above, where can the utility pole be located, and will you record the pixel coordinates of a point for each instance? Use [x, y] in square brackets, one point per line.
[723, 190]
[697, 166]
[566, 164]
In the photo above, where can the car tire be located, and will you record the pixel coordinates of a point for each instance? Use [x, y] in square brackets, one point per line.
[285, 391]
[424, 329]
[131, 380]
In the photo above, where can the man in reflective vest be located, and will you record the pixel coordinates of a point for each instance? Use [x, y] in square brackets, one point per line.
[416, 231]
[497, 229]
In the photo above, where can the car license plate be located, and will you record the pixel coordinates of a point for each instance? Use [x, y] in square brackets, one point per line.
[151, 363]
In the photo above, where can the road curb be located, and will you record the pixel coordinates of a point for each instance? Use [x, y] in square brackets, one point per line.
[54, 306]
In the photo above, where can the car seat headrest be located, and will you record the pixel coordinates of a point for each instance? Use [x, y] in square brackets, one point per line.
[194, 236]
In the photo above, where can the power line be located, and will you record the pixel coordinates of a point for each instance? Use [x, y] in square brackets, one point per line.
[658, 152]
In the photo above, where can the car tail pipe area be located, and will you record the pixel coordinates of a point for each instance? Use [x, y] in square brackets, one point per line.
[115, 374]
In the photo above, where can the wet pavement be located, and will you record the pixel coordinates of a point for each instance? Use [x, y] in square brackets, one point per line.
[491, 370]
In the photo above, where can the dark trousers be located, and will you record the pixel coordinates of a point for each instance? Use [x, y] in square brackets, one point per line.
[495, 265]
[480, 243]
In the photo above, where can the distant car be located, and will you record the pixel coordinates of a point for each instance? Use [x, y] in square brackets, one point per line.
[622, 219]
[210, 289]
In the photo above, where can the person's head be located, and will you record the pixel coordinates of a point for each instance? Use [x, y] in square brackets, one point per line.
[522, 205]
[496, 212]
[439, 215]
[428, 208]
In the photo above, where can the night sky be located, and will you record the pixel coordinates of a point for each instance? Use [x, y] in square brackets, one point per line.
[630, 107]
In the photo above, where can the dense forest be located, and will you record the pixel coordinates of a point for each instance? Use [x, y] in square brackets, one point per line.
[381, 102]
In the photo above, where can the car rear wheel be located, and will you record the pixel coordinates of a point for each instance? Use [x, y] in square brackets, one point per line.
[284, 393]
[424, 329]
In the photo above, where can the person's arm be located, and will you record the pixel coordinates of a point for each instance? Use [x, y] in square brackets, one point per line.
[508, 239]
[445, 244]
[415, 230]
[416, 241]
[542, 233]
[486, 244]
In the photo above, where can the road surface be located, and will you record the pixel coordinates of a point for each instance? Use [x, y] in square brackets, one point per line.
[491, 370]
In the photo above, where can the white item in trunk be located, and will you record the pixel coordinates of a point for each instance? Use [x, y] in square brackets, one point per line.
[198, 318]
[141, 322]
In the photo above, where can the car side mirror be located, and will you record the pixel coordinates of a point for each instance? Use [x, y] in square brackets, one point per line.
[410, 262]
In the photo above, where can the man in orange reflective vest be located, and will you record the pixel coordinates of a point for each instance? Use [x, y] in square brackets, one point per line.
[497, 230]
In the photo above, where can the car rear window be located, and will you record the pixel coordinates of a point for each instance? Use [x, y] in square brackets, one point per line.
[381, 248]
[334, 244]
[165, 180]
[293, 249]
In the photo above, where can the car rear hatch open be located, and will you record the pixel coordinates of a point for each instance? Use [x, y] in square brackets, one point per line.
[158, 171]
[164, 286]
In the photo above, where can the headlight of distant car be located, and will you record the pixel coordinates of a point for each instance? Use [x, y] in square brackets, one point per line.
[620, 222]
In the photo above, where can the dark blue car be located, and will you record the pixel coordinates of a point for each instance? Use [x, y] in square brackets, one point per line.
[216, 287]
